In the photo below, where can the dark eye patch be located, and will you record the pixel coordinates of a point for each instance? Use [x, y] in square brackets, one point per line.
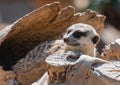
[68, 31]
[95, 39]
[78, 34]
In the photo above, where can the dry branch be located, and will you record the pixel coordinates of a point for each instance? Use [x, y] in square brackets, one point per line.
[111, 52]
[45, 23]
[85, 70]
[7, 77]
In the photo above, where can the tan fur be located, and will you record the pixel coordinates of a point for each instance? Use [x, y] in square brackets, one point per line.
[7, 77]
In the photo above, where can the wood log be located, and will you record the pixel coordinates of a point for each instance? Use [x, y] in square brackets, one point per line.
[35, 28]
[45, 23]
[7, 77]
[66, 69]
[111, 52]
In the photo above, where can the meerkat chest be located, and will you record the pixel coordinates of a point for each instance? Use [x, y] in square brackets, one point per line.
[58, 47]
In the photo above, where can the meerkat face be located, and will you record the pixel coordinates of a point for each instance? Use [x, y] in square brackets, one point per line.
[81, 35]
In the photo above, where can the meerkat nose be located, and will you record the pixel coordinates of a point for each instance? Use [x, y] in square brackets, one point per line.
[65, 39]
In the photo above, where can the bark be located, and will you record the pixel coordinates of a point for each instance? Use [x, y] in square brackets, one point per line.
[7, 77]
[111, 52]
[43, 24]
[66, 69]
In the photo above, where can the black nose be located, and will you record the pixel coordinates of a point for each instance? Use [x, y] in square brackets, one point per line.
[65, 39]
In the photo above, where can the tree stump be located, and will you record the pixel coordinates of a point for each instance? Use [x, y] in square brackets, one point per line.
[22, 41]
[7, 77]
[43, 24]
[67, 69]
[111, 52]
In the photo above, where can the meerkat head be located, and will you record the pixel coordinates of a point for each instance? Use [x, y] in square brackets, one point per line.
[81, 37]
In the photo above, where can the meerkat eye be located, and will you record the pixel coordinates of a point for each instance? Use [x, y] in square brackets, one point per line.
[68, 31]
[95, 39]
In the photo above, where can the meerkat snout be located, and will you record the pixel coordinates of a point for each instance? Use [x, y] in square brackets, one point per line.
[66, 39]
[81, 37]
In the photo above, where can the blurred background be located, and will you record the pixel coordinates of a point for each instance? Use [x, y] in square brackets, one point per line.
[11, 10]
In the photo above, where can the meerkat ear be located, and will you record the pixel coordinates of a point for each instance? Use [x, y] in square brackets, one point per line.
[95, 39]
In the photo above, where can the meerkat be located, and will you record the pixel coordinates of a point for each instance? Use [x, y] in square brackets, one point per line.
[81, 38]
[78, 38]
